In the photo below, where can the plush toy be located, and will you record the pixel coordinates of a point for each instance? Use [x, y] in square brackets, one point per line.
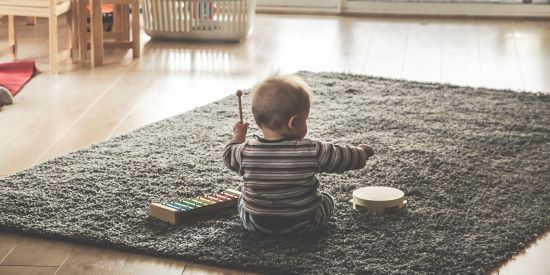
[203, 10]
[5, 97]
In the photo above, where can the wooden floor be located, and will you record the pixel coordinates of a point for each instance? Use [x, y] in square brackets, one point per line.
[56, 114]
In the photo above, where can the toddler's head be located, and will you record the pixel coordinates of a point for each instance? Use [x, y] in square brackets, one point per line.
[280, 104]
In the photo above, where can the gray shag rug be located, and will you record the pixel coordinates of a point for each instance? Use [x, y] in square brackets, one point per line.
[474, 164]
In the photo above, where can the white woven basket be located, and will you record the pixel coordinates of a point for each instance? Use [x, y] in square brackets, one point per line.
[231, 20]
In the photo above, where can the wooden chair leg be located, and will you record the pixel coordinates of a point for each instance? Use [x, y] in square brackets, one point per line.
[125, 22]
[75, 27]
[12, 37]
[82, 31]
[53, 43]
[96, 33]
[117, 23]
[135, 29]
[70, 40]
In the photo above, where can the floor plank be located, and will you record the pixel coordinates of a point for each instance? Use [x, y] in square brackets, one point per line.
[198, 269]
[27, 270]
[38, 252]
[8, 241]
[144, 265]
[534, 260]
[95, 125]
[93, 260]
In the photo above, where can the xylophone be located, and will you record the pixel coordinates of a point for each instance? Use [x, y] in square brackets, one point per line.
[175, 212]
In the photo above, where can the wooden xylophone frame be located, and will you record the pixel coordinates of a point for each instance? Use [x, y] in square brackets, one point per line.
[176, 212]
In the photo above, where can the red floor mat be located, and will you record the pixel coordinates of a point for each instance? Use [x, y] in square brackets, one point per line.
[14, 75]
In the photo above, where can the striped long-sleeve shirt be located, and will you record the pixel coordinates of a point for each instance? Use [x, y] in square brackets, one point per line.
[279, 176]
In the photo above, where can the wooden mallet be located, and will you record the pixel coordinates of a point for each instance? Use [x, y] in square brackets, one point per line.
[239, 94]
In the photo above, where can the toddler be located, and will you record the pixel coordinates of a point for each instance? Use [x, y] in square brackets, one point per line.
[280, 194]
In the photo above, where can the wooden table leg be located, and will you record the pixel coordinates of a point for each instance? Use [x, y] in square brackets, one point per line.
[116, 21]
[82, 30]
[96, 29]
[125, 22]
[135, 29]
[12, 37]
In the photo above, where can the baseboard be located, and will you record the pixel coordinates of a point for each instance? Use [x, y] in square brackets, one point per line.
[478, 10]
[447, 9]
[289, 8]
[297, 10]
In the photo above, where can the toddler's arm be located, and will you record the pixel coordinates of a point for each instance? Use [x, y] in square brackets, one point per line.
[340, 158]
[232, 151]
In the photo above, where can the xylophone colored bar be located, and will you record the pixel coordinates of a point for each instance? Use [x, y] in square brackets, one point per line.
[175, 212]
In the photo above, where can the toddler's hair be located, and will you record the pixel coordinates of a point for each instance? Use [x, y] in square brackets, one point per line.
[277, 98]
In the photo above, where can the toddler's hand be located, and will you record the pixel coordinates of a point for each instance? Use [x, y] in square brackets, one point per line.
[239, 131]
[367, 149]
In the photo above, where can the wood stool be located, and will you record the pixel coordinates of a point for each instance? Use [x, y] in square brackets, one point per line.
[50, 9]
[120, 37]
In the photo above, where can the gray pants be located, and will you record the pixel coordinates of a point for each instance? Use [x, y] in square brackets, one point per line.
[283, 225]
